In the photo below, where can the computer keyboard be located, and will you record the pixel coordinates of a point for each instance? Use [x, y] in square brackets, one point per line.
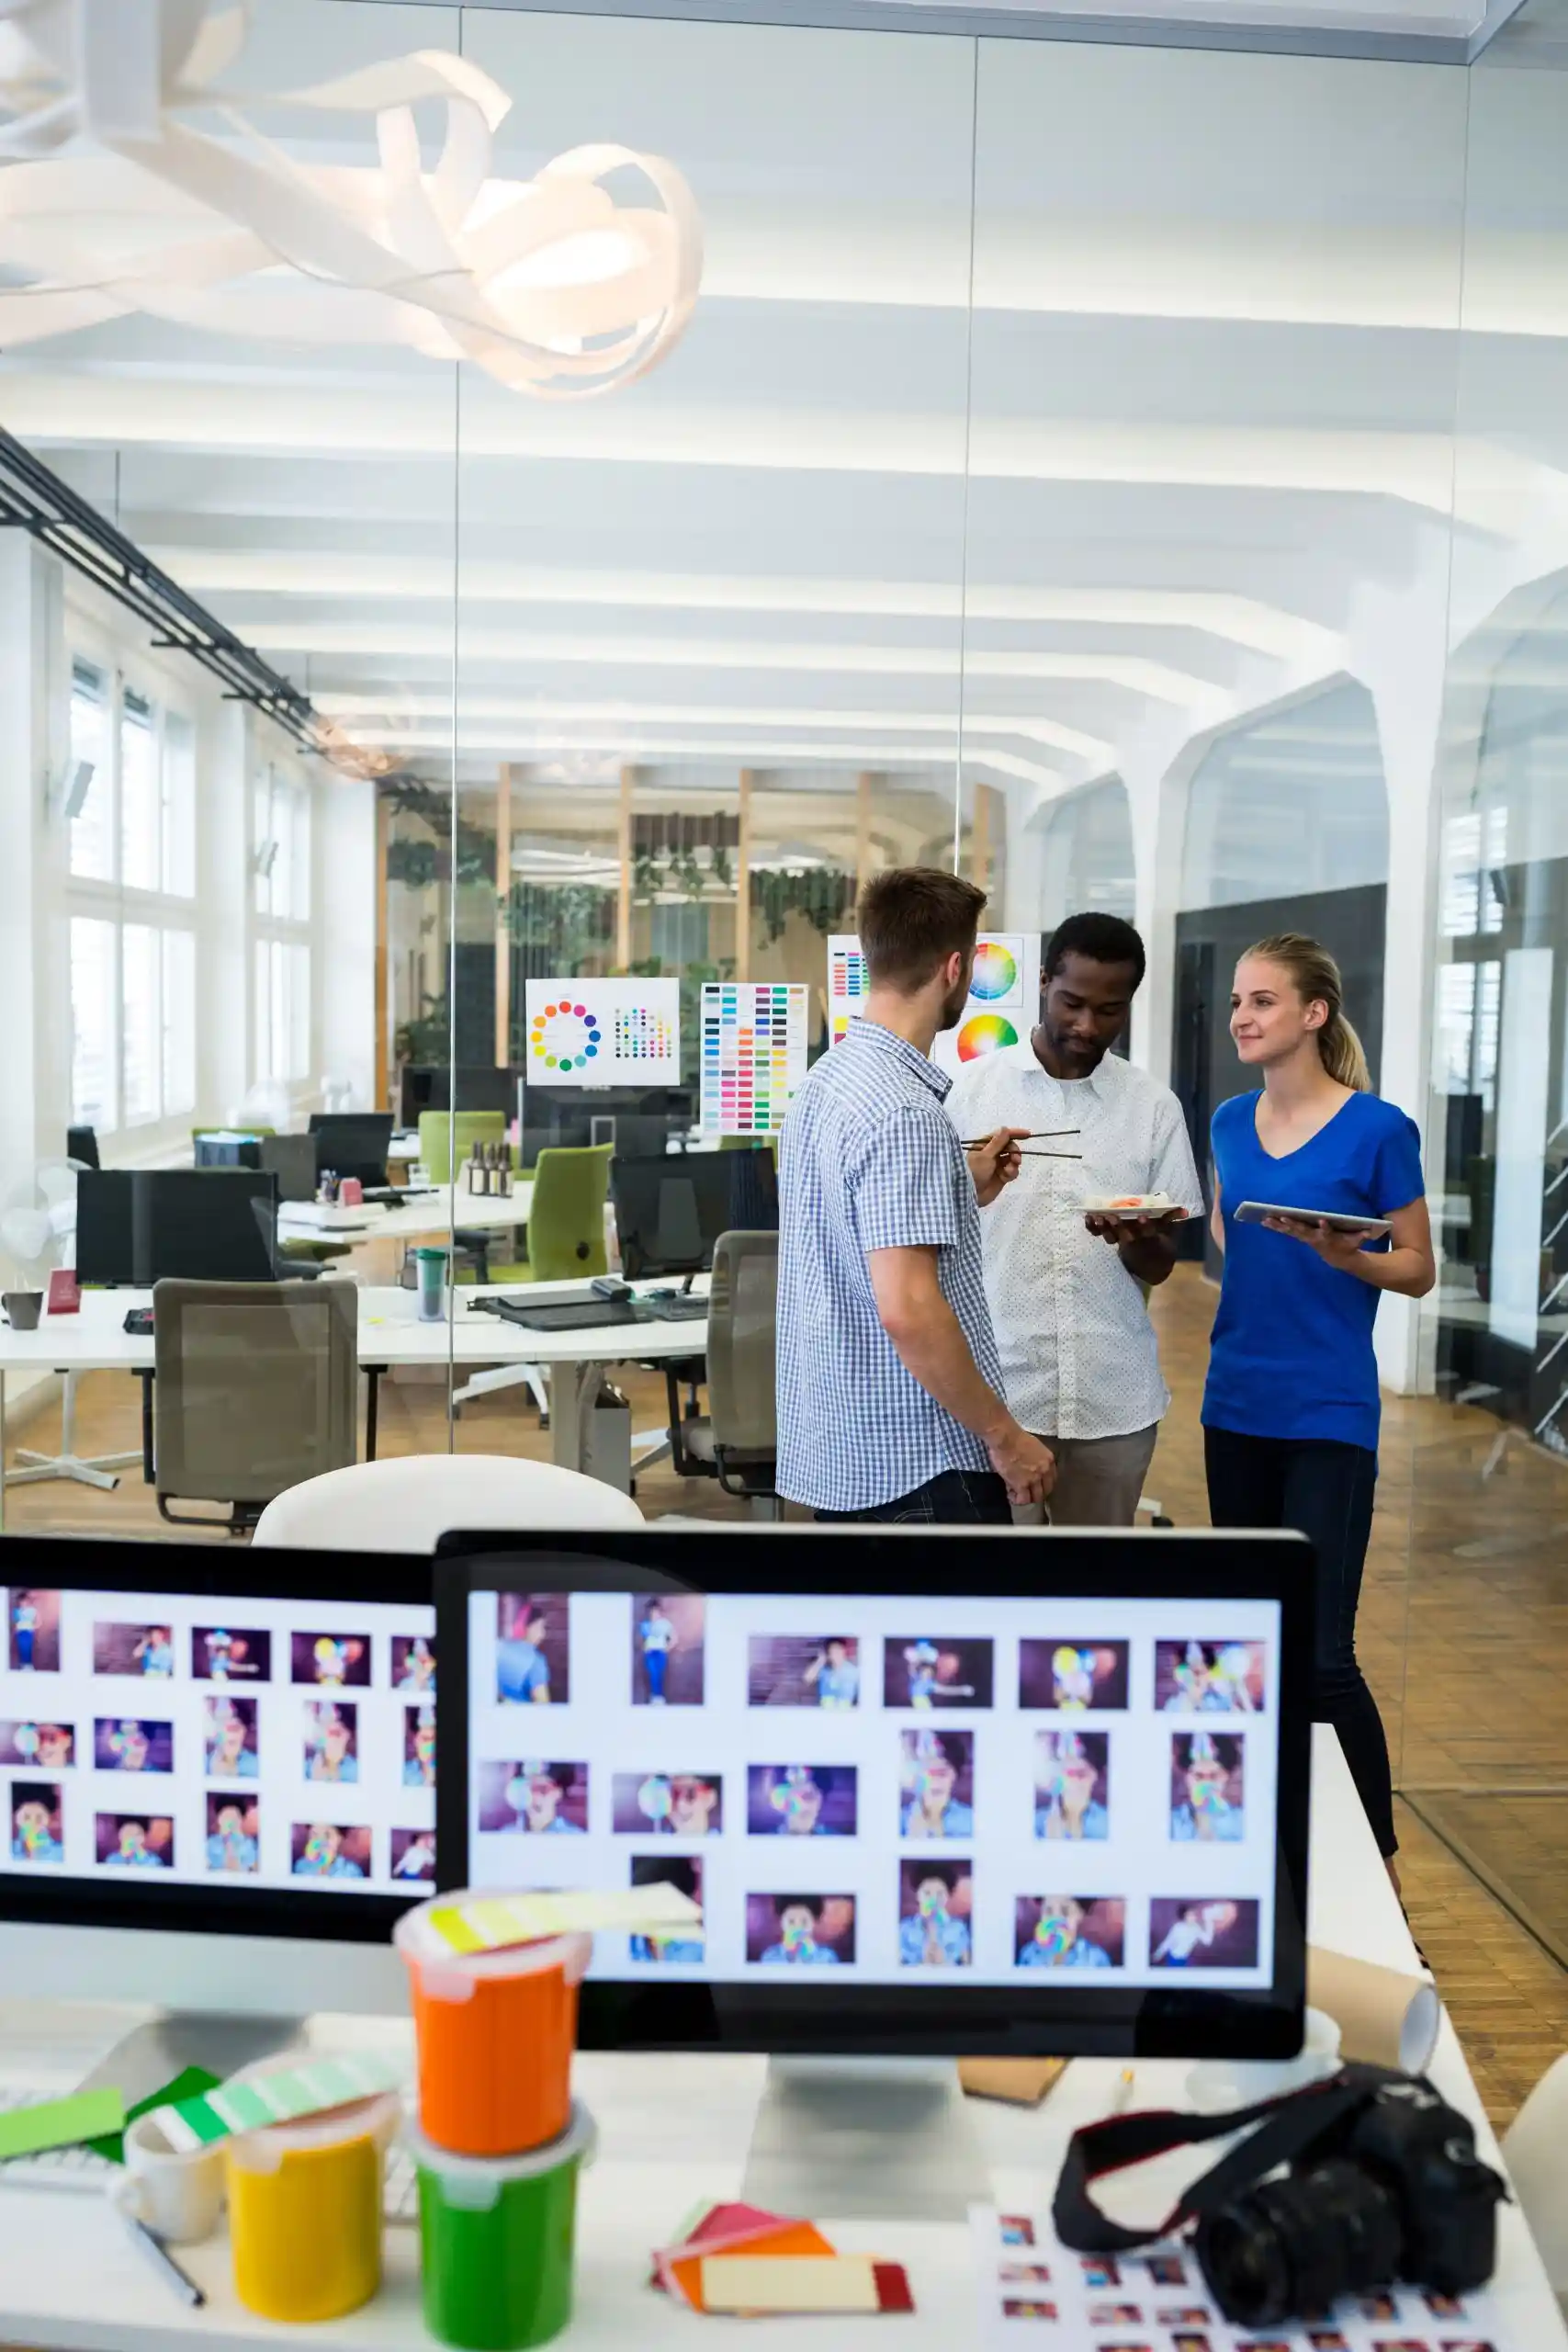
[83, 2168]
[678, 1310]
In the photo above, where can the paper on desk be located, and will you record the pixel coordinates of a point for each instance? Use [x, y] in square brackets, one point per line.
[1033, 2292]
[497, 1921]
[760, 2282]
[59, 2122]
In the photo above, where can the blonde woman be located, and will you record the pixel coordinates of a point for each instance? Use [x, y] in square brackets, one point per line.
[1290, 1410]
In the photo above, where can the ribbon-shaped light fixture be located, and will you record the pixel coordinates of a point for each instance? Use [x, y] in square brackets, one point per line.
[112, 201]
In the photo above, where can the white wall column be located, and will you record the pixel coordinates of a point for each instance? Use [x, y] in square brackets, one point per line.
[35, 1102]
[344, 955]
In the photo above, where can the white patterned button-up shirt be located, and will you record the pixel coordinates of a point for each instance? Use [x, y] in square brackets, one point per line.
[1078, 1348]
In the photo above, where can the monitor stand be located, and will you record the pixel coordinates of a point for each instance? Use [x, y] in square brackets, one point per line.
[852, 2137]
[151, 2055]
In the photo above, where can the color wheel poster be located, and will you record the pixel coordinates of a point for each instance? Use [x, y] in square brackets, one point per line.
[754, 1054]
[847, 984]
[1003, 995]
[602, 1033]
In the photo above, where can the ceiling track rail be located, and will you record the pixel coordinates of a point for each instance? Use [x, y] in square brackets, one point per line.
[34, 499]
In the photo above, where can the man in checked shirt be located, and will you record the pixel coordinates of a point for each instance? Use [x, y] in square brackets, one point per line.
[890, 1403]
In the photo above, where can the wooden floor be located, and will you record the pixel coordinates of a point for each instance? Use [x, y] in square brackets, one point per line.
[1463, 1635]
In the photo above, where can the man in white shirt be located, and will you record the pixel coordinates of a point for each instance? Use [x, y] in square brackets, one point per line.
[1079, 1366]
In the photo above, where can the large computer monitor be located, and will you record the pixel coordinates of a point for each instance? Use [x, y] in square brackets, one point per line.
[292, 1159]
[470, 1086]
[669, 1211]
[988, 1792]
[196, 1746]
[353, 1143]
[140, 1226]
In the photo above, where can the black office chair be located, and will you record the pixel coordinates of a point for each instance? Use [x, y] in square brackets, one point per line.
[82, 1146]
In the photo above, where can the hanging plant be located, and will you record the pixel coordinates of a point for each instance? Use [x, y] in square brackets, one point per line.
[824, 895]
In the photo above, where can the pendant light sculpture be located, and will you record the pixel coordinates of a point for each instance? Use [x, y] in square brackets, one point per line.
[133, 180]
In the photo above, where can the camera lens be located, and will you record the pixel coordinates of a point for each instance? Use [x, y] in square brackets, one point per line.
[1289, 2248]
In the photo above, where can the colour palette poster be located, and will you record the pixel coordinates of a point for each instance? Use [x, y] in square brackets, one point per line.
[1003, 993]
[848, 985]
[754, 1055]
[602, 1033]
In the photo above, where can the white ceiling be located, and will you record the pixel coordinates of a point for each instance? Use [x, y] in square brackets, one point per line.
[1202, 410]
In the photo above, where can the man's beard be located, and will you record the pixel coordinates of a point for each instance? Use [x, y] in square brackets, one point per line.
[954, 1004]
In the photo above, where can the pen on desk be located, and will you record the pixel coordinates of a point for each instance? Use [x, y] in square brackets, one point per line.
[1122, 2097]
[163, 2262]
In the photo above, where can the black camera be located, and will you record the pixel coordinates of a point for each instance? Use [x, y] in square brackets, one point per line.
[1390, 2188]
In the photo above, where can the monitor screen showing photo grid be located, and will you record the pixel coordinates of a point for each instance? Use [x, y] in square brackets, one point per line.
[161, 1737]
[1025, 1790]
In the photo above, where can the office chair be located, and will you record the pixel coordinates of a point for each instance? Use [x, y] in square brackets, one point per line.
[739, 1434]
[82, 1146]
[566, 1243]
[256, 1389]
[407, 1504]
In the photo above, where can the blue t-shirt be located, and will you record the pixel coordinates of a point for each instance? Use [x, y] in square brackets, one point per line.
[1292, 1352]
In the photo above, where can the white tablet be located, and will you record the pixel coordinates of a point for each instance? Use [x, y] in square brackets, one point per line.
[1254, 1213]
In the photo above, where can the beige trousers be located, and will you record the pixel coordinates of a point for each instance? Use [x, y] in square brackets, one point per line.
[1100, 1479]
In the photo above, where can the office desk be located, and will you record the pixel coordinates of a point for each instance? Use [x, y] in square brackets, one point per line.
[390, 1333]
[675, 2129]
[427, 1213]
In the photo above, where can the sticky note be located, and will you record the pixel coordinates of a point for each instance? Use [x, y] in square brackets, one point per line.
[497, 1921]
[761, 2282]
[61, 2123]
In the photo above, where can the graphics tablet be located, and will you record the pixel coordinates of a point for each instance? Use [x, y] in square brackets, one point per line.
[1255, 1212]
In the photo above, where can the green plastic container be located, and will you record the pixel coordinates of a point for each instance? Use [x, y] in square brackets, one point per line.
[496, 2238]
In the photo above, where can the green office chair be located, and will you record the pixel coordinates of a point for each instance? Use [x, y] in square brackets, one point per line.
[442, 1138]
[566, 1218]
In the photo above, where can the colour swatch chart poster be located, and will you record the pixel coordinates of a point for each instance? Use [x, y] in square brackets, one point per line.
[602, 1033]
[1003, 993]
[848, 984]
[1034, 2293]
[754, 1054]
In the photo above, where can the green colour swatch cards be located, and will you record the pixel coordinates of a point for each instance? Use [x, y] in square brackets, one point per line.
[184, 2084]
[497, 1921]
[279, 2097]
[59, 2122]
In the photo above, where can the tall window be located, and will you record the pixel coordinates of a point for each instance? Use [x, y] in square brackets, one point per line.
[132, 791]
[280, 862]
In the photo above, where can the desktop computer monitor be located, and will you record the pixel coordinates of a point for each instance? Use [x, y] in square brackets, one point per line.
[292, 1159]
[138, 1226]
[632, 1134]
[196, 1746]
[471, 1086]
[82, 1146]
[990, 1793]
[353, 1143]
[669, 1211]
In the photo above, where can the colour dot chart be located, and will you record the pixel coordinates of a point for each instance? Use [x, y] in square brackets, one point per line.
[754, 1054]
[643, 1034]
[563, 1037]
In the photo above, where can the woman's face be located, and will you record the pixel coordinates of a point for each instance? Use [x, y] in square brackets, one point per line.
[232, 1738]
[1268, 1017]
[334, 1740]
[938, 1780]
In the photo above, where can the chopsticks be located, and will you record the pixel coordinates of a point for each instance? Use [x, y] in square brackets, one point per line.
[1035, 1135]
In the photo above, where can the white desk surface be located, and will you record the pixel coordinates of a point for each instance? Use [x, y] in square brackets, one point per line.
[94, 1338]
[675, 2129]
[425, 1212]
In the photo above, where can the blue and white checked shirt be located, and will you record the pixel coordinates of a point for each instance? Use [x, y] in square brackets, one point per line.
[869, 1161]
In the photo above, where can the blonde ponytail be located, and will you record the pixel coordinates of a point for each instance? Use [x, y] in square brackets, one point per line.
[1314, 976]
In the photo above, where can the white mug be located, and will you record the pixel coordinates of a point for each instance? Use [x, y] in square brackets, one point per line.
[176, 2196]
[1216, 2085]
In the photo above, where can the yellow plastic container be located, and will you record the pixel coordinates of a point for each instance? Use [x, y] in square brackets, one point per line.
[305, 2210]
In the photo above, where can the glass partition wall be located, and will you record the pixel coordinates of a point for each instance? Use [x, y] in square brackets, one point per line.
[1075, 463]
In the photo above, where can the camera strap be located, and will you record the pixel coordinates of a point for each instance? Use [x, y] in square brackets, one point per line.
[1286, 2125]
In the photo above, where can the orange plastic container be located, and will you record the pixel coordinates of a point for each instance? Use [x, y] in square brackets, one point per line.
[496, 2033]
